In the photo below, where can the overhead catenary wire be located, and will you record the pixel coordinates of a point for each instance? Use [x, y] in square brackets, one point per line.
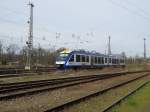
[12, 10]
[43, 28]
[136, 6]
[129, 10]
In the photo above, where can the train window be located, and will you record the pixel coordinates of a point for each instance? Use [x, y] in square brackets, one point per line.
[102, 60]
[99, 60]
[105, 60]
[87, 58]
[117, 61]
[72, 58]
[113, 61]
[83, 58]
[95, 60]
[64, 54]
[109, 60]
[121, 61]
[77, 58]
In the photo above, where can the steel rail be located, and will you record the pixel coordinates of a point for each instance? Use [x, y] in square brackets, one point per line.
[125, 97]
[17, 71]
[39, 84]
[29, 84]
[58, 83]
[50, 84]
[103, 74]
[31, 92]
[59, 108]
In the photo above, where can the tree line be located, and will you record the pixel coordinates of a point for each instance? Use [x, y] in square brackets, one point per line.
[12, 55]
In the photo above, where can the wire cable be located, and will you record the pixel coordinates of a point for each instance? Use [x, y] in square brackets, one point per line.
[129, 10]
[136, 6]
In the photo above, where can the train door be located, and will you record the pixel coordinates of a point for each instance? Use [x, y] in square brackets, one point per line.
[106, 61]
[110, 61]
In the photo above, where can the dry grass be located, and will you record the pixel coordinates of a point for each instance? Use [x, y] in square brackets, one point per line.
[99, 103]
[42, 101]
[59, 74]
[69, 73]
[139, 102]
[132, 67]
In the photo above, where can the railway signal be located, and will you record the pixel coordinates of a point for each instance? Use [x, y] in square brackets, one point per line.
[109, 46]
[144, 48]
[30, 38]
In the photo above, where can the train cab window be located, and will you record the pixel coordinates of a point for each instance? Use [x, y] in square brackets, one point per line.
[105, 60]
[77, 58]
[87, 58]
[109, 60]
[71, 59]
[83, 58]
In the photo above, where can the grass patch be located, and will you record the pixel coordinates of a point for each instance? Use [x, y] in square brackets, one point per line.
[132, 102]
[100, 102]
[139, 102]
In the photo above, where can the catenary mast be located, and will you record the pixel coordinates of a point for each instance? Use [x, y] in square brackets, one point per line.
[30, 38]
[109, 47]
[144, 48]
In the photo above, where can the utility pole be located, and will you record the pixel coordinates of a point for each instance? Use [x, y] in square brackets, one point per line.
[109, 47]
[30, 38]
[144, 48]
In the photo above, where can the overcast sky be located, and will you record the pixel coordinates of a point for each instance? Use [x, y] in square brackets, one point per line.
[84, 24]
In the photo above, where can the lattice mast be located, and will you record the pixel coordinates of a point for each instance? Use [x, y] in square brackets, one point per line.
[30, 38]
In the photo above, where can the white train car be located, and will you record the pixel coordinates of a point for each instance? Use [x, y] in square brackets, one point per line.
[84, 59]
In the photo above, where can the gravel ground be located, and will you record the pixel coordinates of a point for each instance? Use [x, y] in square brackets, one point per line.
[138, 102]
[59, 74]
[43, 101]
[99, 103]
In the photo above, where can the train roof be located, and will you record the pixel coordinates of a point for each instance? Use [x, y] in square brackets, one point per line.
[117, 55]
[92, 53]
[87, 52]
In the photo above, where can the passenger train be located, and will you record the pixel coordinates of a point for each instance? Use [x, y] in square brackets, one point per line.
[84, 59]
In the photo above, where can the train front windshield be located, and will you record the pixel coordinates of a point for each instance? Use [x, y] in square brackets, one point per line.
[62, 56]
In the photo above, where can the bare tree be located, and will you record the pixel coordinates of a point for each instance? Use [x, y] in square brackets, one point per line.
[11, 52]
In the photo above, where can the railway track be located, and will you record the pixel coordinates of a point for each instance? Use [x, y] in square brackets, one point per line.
[59, 108]
[6, 73]
[124, 97]
[13, 90]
